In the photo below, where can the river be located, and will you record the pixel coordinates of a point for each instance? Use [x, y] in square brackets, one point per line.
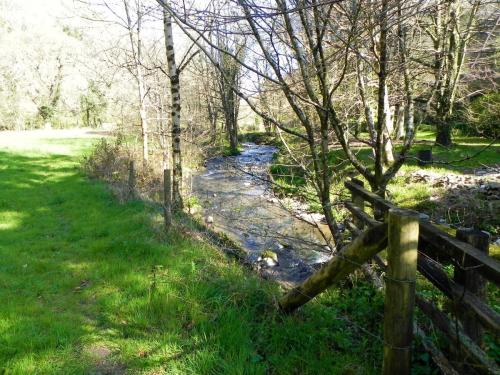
[236, 194]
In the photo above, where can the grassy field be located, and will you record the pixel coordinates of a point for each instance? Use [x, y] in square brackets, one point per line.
[404, 193]
[90, 286]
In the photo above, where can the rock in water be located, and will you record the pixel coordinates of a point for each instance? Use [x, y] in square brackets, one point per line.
[209, 220]
[270, 262]
[269, 258]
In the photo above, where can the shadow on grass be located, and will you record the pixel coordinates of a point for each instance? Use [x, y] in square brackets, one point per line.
[80, 271]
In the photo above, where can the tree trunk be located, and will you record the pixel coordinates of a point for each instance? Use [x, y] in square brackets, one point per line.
[233, 139]
[370, 122]
[162, 126]
[231, 119]
[443, 134]
[173, 73]
[449, 60]
[142, 93]
[212, 117]
[230, 106]
[400, 121]
[388, 130]
[136, 53]
[383, 151]
[144, 122]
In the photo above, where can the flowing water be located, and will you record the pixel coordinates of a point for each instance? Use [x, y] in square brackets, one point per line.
[235, 192]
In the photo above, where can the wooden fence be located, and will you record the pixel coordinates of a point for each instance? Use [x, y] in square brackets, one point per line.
[413, 244]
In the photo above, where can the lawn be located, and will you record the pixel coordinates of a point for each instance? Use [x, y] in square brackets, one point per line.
[466, 154]
[88, 285]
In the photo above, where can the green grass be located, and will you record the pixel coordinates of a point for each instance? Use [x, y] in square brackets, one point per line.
[91, 286]
[415, 195]
[226, 150]
[259, 138]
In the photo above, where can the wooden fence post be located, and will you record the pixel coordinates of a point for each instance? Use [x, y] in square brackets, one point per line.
[131, 179]
[466, 275]
[403, 228]
[167, 198]
[358, 201]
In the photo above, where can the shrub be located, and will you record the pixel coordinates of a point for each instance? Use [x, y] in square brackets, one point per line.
[105, 160]
[483, 115]
[109, 161]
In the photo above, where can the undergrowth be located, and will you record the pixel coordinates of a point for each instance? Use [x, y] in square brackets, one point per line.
[89, 285]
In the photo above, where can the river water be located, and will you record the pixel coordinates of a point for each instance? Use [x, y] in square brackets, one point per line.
[235, 192]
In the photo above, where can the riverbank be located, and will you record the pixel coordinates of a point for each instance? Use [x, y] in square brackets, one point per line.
[462, 187]
[236, 195]
[94, 286]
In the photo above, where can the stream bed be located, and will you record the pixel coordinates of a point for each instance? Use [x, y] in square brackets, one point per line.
[237, 196]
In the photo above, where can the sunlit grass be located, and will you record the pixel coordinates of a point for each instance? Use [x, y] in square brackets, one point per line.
[414, 195]
[91, 286]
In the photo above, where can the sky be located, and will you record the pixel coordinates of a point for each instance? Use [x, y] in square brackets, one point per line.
[38, 11]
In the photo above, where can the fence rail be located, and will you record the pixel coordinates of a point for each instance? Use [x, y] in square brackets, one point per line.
[473, 267]
[431, 238]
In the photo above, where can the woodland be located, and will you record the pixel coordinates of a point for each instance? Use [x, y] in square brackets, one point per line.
[249, 187]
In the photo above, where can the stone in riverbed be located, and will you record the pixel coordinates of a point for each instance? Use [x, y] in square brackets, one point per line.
[269, 258]
[270, 262]
[284, 245]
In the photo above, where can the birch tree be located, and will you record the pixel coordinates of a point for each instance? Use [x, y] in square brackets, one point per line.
[134, 33]
[175, 95]
[174, 73]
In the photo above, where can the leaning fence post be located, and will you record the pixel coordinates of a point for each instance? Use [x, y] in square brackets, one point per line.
[466, 275]
[403, 227]
[167, 198]
[131, 179]
[358, 201]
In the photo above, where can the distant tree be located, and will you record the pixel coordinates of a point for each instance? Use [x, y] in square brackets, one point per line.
[228, 78]
[42, 72]
[210, 96]
[134, 32]
[92, 106]
[449, 25]
[48, 104]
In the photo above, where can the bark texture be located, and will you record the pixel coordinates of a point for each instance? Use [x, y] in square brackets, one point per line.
[173, 73]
